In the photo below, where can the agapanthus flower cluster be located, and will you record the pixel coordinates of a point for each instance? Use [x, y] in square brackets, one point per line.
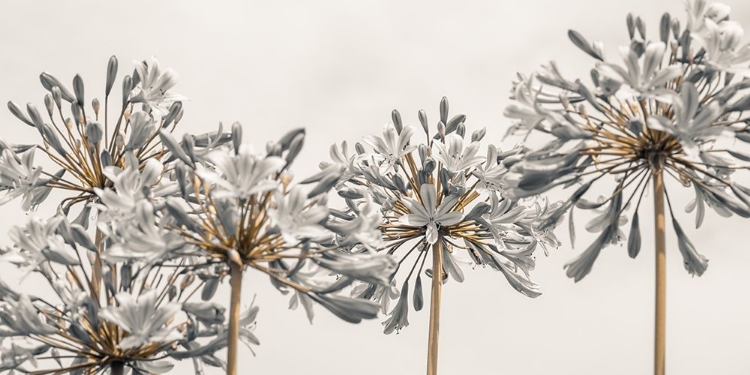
[441, 197]
[85, 145]
[110, 310]
[142, 316]
[239, 206]
[672, 104]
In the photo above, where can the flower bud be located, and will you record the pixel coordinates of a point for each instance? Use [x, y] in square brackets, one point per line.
[188, 144]
[444, 110]
[676, 28]
[16, 111]
[95, 105]
[78, 89]
[236, 136]
[295, 147]
[461, 130]
[396, 118]
[50, 104]
[477, 135]
[423, 120]
[77, 115]
[49, 81]
[94, 132]
[174, 110]
[111, 75]
[127, 87]
[359, 148]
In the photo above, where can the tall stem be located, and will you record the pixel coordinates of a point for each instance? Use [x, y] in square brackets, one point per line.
[117, 368]
[96, 272]
[660, 319]
[235, 266]
[437, 287]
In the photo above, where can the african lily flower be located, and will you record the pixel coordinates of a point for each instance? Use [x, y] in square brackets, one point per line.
[429, 204]
[138, 321]
[241, 210]
[675, 109]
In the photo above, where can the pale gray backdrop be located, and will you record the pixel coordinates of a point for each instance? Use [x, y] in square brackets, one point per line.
[338, 68]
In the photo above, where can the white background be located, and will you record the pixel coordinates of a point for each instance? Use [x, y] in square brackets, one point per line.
[338, 68]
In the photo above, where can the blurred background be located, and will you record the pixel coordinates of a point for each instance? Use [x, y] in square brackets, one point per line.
[338, 68]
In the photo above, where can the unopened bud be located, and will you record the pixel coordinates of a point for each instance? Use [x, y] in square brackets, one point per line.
[78, 89]
[111, 75]
[95, 106]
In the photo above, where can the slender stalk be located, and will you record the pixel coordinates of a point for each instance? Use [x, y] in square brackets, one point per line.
[235, 266]
[660, 319]
[96, 271]
[117, 368]
[437, 287]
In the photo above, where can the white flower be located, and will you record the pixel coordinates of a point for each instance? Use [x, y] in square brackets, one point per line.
[295, 220]
[20, 178]
[392, 146]
[143, 318]
[40, 243]
[141, 239]
[120, 202]
[153, 90]
[690, 126]
[429, 214]
[454, 156]
[242, 175]
[490, 174]
[723, 49]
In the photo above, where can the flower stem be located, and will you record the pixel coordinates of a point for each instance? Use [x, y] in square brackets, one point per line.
[235, 266]
[437, 287]
[96, 272]
[660, 319]
[117, 368]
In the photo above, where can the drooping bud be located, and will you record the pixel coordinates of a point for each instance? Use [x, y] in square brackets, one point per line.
[174, 110]
[49, 81]
[16, 111]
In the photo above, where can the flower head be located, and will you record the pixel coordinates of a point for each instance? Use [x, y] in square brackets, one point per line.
[676, 109]
[438, 196]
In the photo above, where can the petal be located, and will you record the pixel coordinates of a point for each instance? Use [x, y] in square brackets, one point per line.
[429, 197]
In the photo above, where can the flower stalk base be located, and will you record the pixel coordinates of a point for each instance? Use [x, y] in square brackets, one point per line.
[437, 288]
[235, 266]
[660, 318]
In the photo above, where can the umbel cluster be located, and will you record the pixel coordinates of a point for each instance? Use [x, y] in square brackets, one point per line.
[149, 222]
